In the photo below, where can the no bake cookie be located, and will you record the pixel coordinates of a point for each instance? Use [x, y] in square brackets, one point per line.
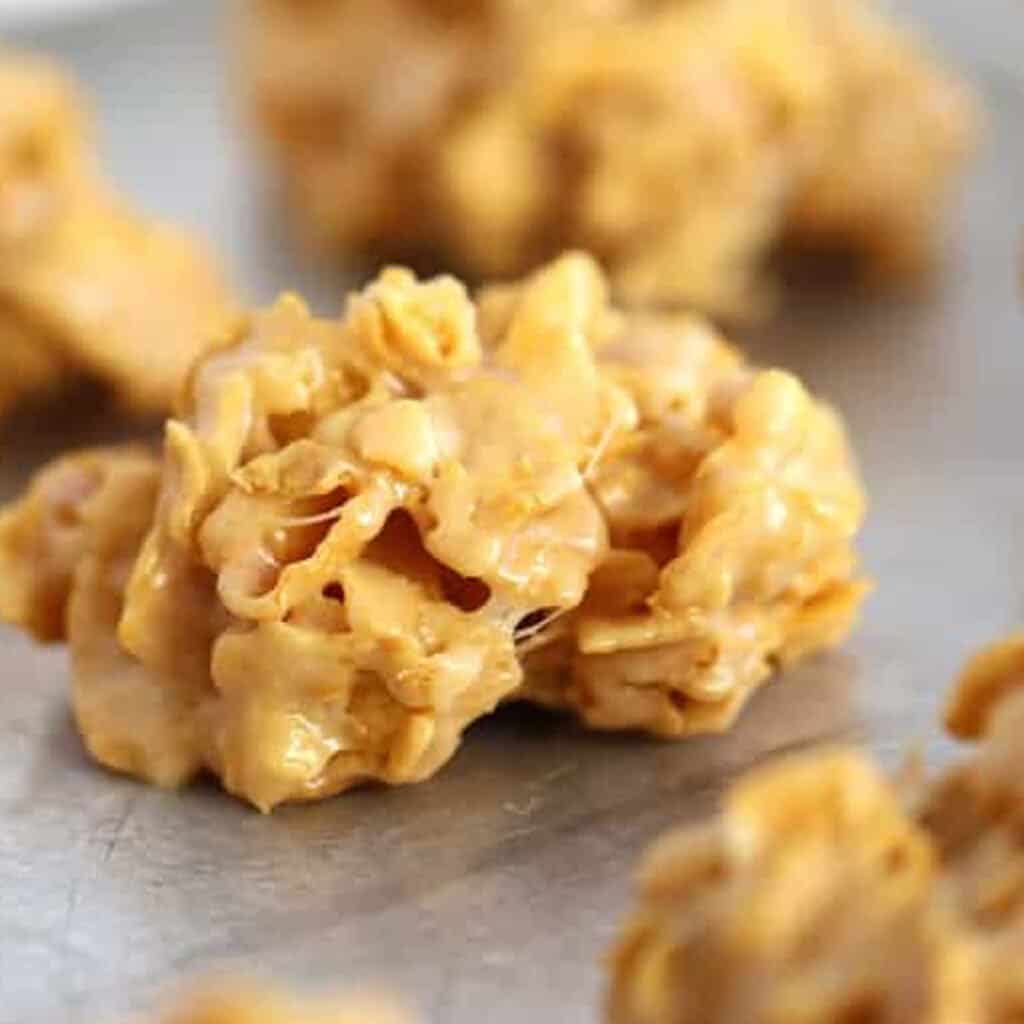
[365, 534]
[682, 141]
[247, 1005]
[88, 287]
[826, 893]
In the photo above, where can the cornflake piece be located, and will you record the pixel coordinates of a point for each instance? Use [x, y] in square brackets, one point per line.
[989, 677]
[808, 902]
[250, 1006]
[368, 529]
[679, 141]
[88, 288]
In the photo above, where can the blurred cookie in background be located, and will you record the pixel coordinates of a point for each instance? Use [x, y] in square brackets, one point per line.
[680, 142]
[88, 287]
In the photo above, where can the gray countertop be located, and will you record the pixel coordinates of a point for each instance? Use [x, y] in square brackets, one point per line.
[491, 892]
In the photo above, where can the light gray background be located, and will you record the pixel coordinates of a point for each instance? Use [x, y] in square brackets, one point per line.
[15, 14]
[491, 892]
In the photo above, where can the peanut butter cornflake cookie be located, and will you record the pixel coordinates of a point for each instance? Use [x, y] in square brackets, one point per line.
[824, 894]
[810, 900]
[974, 813]
[680, 141]
[246, 1005]
[364, 535]
[87, 287]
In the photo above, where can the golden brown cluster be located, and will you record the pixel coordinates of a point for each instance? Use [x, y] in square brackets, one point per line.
[241, 1005]
[87, 287]
[974, 814]
[370, 532]
[824, 893]
[680, 141]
